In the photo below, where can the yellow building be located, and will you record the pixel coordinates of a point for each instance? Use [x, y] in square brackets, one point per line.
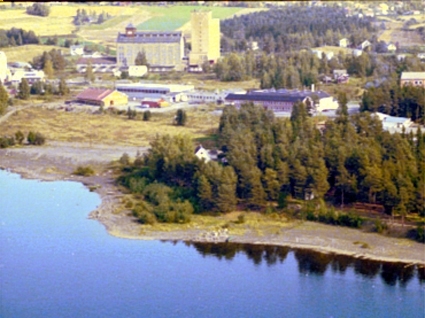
[102, 97]
[205, 38]
[164, 51]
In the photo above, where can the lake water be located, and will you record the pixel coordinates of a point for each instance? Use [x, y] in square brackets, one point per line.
[54, 262]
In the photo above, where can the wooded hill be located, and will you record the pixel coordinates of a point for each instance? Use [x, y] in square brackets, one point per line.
[269, 160]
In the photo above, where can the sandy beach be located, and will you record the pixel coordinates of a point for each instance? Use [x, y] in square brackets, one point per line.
[57, 161]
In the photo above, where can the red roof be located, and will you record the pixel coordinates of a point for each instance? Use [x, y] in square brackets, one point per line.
[94, 94]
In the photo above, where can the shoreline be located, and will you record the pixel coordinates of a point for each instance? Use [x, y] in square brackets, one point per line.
[295, 235]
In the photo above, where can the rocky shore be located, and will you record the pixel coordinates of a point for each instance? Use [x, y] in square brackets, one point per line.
[57, 161]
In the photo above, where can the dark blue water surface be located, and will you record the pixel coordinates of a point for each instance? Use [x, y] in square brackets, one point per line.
[54, 262]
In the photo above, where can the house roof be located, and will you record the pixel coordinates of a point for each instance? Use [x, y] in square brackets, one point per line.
[97, 60]
[413, 75]
[278, 97]
[151, 37]
[96, 94]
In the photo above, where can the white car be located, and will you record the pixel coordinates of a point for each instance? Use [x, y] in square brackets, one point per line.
[145, 106]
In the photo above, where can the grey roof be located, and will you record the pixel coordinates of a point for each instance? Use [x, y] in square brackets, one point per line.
[266, 97]
[151, 37]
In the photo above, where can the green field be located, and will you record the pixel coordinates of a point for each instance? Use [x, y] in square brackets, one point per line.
[171, 18]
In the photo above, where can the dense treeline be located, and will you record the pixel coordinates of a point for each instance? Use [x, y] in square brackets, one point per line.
[296, 27]
[17, 37]
[53, 59]
[390, 98]
[83, 17]
[272, 160]
[39, 9]
[297, 69]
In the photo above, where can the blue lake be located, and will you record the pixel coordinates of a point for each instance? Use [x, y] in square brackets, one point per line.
[54, 262]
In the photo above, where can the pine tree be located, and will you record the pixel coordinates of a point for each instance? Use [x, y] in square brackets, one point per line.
[63, 88]
[4, 98]
[181, 117]
[24, 89]
[89, 76]
[48, 68]
[141, 59]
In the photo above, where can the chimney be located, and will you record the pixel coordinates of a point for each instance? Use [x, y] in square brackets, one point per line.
[312, 88]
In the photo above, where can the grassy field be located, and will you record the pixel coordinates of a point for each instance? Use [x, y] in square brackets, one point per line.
[26, 53]
[174, 17]
[106, 129]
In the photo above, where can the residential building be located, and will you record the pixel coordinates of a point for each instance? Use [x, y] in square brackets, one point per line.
[396, 124]
[3, 67]
[340, 76]
[102, 97]
[412, 78]
[364, 45]
[76, 49]
[344, 42]
[99, 65]
[137, 70]
[391, 47]
[31, 76]
[205, 38]
[207, 155]
[357, 52]
[164, 51]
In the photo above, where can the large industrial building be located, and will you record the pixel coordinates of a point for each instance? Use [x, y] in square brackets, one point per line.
[168, 92]
[205, 38]
[164, 51]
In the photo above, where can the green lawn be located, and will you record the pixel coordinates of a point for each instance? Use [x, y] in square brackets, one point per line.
[173, 17]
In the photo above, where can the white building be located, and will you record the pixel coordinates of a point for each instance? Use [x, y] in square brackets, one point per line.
[395, 124]
[211, 96]
[137, 70]
[168, 92]
[3, 67]
[76, 49]
[31, 76]
[344, 42]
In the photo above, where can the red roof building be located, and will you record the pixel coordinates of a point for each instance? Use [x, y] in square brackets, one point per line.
[102, 97]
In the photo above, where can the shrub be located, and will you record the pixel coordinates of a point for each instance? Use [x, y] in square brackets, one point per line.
[125, 159]
[147, 115]
[84, 171]
[19, 136]
[241, 219]
[380, 226]
[35, 138]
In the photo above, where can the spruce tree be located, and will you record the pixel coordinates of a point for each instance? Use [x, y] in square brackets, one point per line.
[4, 98]
[24, 89]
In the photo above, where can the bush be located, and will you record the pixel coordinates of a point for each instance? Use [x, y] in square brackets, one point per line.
[125, 159]
[147, 115]
[84, 171]
[380, 226]
[35, 138]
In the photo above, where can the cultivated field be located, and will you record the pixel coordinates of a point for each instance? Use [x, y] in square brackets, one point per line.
[26, 53]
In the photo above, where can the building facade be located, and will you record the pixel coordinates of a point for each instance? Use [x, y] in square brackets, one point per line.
[283, 100]
[413, 78]
[164, 51]
[102, 97]
[205, 38]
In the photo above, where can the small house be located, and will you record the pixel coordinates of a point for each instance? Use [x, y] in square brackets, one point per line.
[76, 50]
[344, 42]
[391, 47]
[365, 44]
[412, 78]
